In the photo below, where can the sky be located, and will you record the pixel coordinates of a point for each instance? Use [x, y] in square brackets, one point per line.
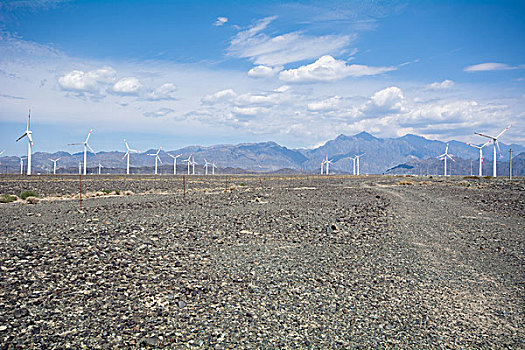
[180, 73]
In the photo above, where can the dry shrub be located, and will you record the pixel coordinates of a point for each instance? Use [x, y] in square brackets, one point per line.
[405, 183]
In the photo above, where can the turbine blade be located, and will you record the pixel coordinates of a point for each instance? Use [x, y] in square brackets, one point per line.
[91, 149]
[89, 134]
[159, 159]
[30, 139]
[127, 147]
[21, 137]
[75, 144]
[125, 155]
[501, 133]
[480, 134]
[499, 150]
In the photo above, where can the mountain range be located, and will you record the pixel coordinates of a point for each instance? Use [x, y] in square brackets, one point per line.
[381, 156]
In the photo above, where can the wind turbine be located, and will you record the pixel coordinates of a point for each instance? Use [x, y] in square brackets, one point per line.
[193, 163]
[213, 167]
[189, 163]
[129, 150]
[29, 143]
[1, 154]
[80, 168]
[86, 146]
[22, 165]
[206, 166]
[357, 161]
[328, 162]
[99, 168]
[322, 166]
[496, 144]
[157, 158]
[444, 157]
[480, 155]
[174, 163]
[353, 163]
[55, 165]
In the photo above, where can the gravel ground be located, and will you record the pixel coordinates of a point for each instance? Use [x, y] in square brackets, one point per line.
[274, 263]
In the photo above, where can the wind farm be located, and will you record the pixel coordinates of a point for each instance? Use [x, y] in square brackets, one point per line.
[262, 175]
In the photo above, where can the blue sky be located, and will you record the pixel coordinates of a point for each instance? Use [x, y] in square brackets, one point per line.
[176, 73]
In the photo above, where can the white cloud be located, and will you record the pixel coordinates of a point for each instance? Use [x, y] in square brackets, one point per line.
[385, 101]
[163, 92]
[262, 71]
[282, 88]
[158, 113]
[328, 68]
[93, 82]
[325, 105]
[445, 84]
[490, 66]
[286, 48]
[248, 111]
[220, 21]
[127, 86]
[219, 96]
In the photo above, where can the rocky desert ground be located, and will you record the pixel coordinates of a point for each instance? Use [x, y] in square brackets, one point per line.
[262, 262]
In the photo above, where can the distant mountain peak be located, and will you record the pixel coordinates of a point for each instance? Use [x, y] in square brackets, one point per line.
[363, 135]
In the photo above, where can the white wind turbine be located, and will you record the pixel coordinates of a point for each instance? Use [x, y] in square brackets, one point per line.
[174, 163]
[496, 144]
[213, 167]
[99, 168]
[189, 163]
[480, 155]
[193, 163]
[357, 162]
[128, 151]
[444, 157]
[86, 146]
[28, 133]
[1, 154]
[22, 165]
[328, 162]
[353, 163]
[55, 165]
[157, 158]
[322, 166]
[206, 164]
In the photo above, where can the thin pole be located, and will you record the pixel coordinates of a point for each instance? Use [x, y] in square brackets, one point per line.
[510, 163]
[80, 183]
[470, 166]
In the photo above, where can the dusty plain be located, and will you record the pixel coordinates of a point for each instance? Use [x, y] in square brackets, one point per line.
[263, 262]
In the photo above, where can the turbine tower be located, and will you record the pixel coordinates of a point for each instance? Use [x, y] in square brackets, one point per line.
[22, 165]
[353, 164]
[444, 157]
[55, 165]
[496, 144]
[174, 163]
[356, 160]
[322, 166]
[128, 151]
[213, 167]
[480, 155]
[86, 146]
[157, 158]
[30, 145]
